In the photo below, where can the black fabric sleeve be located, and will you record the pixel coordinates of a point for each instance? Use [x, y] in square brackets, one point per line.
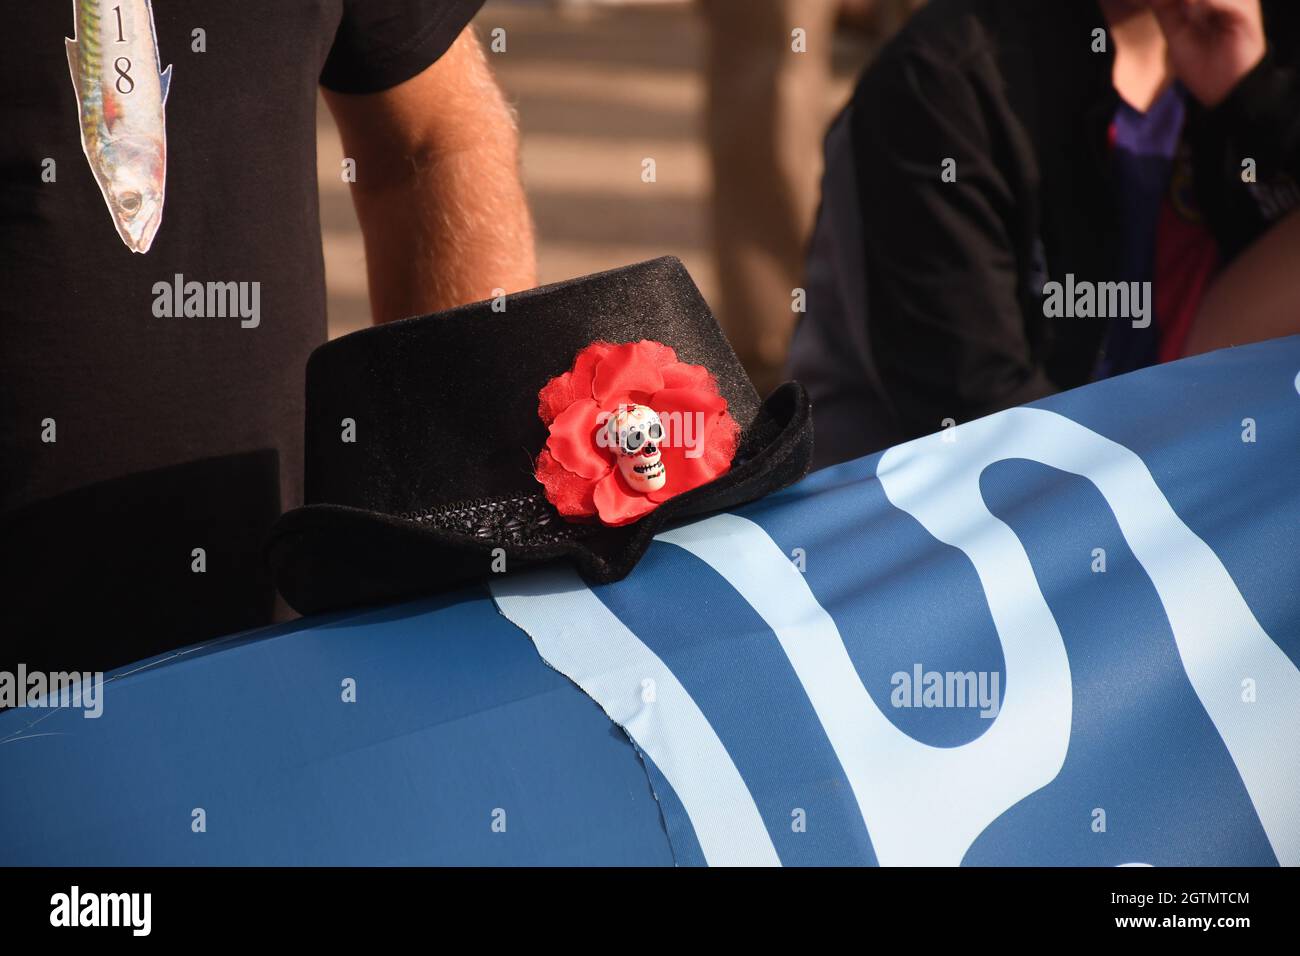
[1263, 115]
[381, 43]
[1260, 120]
[946, 308]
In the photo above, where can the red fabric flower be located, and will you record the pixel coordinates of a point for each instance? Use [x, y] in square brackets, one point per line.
[579, 467]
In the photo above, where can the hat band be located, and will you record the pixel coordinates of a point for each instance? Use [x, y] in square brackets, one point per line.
[509, 519]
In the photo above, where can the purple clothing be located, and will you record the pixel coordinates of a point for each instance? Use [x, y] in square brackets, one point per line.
[1142, 156]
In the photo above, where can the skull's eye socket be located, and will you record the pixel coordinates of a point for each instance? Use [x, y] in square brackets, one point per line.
[633, 439]
[656, 431]
[129, 203]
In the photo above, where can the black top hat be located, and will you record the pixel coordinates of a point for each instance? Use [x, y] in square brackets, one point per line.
[429, 441]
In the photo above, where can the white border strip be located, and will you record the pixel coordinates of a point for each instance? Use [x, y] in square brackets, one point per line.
[579, 637]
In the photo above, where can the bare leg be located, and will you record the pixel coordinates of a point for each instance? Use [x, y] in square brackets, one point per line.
[1255, 298]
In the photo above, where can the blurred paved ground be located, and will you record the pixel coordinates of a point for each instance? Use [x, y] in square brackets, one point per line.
[596, 91]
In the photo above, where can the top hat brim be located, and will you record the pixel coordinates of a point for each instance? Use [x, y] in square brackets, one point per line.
[326, 556]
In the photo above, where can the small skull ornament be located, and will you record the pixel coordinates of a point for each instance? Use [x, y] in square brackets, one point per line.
[635, 431]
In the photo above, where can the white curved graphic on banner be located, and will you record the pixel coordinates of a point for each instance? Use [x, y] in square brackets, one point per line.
[581, 638]
[922, 805]
[1219, 641]
[926, 805]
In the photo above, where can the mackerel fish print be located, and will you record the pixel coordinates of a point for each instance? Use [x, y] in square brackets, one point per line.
[121, 92]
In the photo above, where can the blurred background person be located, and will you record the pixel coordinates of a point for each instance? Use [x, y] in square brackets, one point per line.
[999, 145]
[769, 68]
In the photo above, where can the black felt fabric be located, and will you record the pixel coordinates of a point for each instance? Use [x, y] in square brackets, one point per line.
[447, 431]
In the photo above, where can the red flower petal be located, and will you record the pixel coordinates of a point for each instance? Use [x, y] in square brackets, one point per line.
[689, 416]
[563, 390]
[681, 375]
[628, 373]
[616, 504]
[684, 401]
[571, 494]
[661, 355]
[685, 473]
[573, 442]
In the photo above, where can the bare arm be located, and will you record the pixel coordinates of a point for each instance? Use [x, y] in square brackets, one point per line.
[438, 194]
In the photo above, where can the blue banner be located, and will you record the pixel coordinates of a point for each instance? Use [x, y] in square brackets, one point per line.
[1066, 634]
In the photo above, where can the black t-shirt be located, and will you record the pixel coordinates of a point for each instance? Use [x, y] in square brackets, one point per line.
[159, 296]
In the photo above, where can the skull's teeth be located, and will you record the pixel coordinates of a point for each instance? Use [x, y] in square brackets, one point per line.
[649, 471]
